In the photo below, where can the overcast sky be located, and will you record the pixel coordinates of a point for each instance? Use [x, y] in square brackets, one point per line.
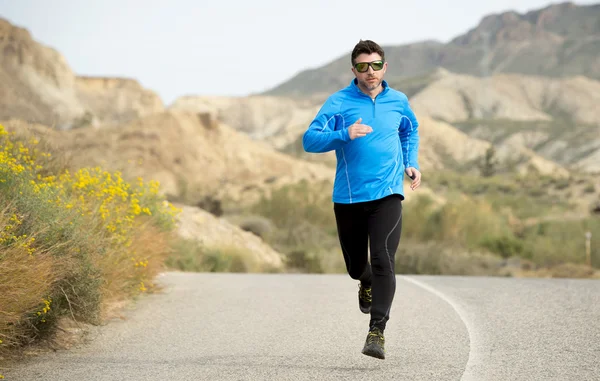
[233, 47]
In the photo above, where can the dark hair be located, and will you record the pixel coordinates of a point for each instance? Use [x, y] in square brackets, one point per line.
[366, 47]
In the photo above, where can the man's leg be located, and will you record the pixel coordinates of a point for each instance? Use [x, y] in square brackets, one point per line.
[385, 226]
[354, 240]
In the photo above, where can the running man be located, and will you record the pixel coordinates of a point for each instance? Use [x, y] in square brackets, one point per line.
[375, 136]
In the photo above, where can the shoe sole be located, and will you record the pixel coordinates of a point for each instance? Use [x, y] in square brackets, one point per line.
[373, 352]
[365, 310]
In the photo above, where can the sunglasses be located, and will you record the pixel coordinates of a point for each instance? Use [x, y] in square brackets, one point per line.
[362, 67]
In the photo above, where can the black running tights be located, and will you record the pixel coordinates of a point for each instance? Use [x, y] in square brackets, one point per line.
[373, 226]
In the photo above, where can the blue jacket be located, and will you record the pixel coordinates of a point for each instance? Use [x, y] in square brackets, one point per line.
[372, 166]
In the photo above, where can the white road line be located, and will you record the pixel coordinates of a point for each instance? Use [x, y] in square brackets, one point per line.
[475, 360]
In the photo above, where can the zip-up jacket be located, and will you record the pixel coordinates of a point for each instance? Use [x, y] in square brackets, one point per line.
[372, 166]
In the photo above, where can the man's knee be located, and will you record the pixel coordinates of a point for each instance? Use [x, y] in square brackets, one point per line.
[382, 265]
[355, 273]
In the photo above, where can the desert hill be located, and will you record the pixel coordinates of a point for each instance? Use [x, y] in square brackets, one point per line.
[41, 88]
[200, 164]
[557, 40]
[275, 120]
[191, 154]
[556, 118]
[38, 86]
[454, 97]
[281, 121]
[208, 151]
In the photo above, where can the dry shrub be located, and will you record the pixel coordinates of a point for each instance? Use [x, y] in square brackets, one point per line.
[192, 255]
[28, 279]
[564, 270]
[25, 282]
[444, 259]
[71, 242]
[258, 225]
[127, 272]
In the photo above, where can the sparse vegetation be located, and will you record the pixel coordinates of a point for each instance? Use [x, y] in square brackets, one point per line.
[550, 135]
[258, 225]
[84, 121]
[495, 225]
[71, 243]
[303, 226]
[489, 162]
[191, 255]
[412, 85]
[590, 188]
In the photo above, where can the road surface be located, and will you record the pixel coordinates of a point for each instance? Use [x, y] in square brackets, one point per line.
[308, 327]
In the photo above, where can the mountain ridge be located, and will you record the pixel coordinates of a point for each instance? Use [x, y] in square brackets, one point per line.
[537, 42]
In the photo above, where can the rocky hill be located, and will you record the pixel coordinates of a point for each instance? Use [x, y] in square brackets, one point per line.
[39, 86]
[272, 119]
[520, 82]
[556, 118]
[193, 156]
[202, 165]
[281, 121]
[455, 97]
[208, 151]
[558, 40]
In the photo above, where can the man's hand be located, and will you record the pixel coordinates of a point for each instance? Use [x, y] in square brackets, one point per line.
[357, 130]
[415, 175]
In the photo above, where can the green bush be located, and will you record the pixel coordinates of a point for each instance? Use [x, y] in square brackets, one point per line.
[302, 201]
[505, 245]
[301, 260]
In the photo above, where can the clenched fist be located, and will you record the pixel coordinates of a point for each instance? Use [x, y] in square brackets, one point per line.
[357, 129]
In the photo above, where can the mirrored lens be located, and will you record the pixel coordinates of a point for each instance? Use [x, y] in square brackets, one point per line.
[362, 67]
[377, 65]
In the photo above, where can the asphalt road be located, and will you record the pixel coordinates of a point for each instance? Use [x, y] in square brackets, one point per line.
[309, 327]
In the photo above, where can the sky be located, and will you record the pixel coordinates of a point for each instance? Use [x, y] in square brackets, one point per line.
[234, 47]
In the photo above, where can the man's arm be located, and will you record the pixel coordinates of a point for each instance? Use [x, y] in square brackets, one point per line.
[326, 132]
[409, 137]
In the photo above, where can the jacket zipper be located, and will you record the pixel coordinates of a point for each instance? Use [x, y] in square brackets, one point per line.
[374, 113]
[372, 100]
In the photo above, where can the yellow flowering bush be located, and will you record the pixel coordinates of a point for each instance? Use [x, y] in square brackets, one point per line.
[72, 240]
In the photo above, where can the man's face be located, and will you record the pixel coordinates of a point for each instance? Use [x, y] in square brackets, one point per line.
[371, 78]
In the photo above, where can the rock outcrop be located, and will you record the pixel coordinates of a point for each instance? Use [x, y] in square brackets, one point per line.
[456, 98]
[38, 86]
[217, 233]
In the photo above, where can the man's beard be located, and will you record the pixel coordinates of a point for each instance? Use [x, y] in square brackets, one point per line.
[371, 85]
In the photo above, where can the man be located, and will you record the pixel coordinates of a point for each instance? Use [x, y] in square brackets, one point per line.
[374, 133]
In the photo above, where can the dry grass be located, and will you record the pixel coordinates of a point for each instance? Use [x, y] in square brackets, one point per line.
[192, 255]
[26, 281]
[72, 244]
[483, 225]
[125, 276]
[565, 270]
